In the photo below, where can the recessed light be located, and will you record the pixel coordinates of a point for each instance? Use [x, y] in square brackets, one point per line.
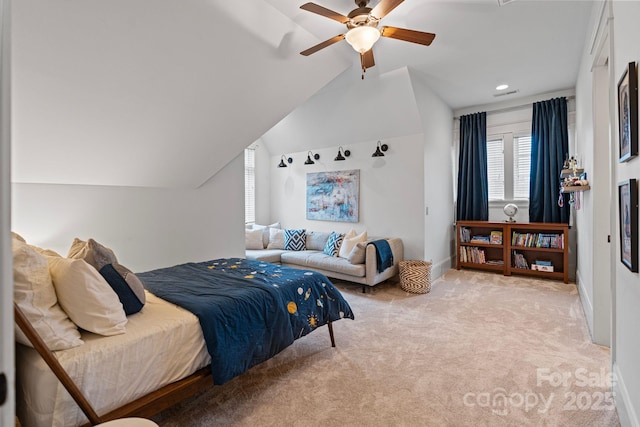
[502, 87]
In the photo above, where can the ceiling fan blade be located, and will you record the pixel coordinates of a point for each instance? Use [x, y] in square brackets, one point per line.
[407, 35]
[315, 8]
[384, 7]
[322, 45]
[366, 59]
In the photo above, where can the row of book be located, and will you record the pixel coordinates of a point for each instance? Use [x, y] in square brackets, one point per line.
[477, 256]
[538, 240]
[472, 254]
[494, 238]
[519, 261]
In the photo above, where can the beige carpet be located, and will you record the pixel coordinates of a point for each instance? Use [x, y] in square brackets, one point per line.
[480, 349]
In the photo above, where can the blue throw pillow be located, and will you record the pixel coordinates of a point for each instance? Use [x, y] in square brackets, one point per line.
[295, 240]
[126, 285]
[333, 244]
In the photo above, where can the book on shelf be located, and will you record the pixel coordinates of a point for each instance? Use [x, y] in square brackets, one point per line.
[465, 234]
[480, 239]
[496, 237]
[519, 261]
[538, 240]
[541, 267]
[472, 255]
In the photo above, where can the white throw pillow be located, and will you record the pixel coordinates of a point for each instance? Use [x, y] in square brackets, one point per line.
[253, 239]
[349, 243]
[276, 239]
[265, 230]
[34, 293]
[87, 297]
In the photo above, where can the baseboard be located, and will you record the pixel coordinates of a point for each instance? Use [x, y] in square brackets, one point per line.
[438, 269]
[587, 306]
[626, 412]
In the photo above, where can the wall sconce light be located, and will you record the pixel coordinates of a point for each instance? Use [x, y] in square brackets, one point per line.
[309, 161]
[379, 150]
[282, 159]
[340, 155]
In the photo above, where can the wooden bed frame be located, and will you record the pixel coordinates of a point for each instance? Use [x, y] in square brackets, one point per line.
[145, 406]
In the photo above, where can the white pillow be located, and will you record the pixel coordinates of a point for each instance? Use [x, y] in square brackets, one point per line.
[36, 298]
[276, 239]
[349, 243]
[87, 297]
[265, 230]
[253, 239]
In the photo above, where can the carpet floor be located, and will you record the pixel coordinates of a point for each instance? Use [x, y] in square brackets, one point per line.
[480, 349]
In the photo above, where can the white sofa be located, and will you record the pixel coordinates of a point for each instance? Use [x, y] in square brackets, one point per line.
[336, 267]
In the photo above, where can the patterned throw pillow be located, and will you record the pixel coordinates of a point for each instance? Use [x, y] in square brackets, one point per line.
[295, 240]
[333, 244]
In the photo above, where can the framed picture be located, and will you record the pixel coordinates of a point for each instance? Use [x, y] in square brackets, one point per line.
[628, 205]
[628, 113]
[333, 196]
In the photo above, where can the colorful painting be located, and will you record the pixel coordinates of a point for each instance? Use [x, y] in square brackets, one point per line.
[333, 196]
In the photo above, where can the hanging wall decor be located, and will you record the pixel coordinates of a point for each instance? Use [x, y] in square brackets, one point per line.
[628, 207]
[333, 196]
[628, 113]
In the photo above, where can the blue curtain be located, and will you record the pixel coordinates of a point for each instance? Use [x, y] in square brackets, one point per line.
[549, 147]
[473, 184]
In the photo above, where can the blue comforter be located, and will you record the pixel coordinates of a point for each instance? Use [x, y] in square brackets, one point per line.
[248, 310]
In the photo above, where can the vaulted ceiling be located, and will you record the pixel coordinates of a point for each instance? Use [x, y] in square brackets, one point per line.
[160, 93]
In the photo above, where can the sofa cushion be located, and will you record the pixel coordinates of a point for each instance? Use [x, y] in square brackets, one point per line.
[321, 261]
[295, 239]
[265, 231]
[316, 240]
[253, 239]
[276, 239]
[349, 243]
[358, 253]
[266, 255]
[333, 244]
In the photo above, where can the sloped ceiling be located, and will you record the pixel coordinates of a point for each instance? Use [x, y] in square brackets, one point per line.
[378, 107]
[156, 93]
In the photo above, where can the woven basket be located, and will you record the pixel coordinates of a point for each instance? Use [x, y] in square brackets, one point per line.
[415, 276]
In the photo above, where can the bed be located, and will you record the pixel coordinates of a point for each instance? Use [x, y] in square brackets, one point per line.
[165, 355]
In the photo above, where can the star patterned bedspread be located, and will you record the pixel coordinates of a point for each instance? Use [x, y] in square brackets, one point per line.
[249, 310]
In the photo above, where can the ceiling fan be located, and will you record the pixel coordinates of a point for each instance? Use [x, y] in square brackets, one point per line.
[363, 32]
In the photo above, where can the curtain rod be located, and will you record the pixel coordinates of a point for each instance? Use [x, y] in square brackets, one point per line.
[514, 107]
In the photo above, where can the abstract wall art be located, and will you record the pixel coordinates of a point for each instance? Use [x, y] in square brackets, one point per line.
[333, 196]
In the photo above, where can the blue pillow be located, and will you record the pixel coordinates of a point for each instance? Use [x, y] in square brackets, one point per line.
[333, 244]
[295, 240]
[126, 285]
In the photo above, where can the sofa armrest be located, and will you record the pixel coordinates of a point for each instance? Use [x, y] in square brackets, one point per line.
[371, 272]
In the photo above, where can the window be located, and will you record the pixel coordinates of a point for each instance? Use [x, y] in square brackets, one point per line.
[249, 185]
[508, 166]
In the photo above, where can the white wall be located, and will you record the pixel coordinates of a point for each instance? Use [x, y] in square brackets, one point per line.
[391, 190]
[592, 226]
[146, 227]
[627, 284]
[6, 259]
[436, 118]
[592, 221]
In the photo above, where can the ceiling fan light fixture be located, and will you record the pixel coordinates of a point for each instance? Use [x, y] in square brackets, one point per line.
[362, 38]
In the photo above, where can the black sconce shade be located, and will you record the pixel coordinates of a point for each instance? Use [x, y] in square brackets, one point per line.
[340, 155]
[282, 159]
[379, 150]
[309, 161]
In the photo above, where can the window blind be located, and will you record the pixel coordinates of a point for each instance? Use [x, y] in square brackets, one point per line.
[495, 168]
[521, 166]
[249, 185]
